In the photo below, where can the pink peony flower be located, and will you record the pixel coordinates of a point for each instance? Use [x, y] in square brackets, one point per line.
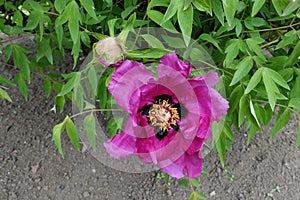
[110, 51]
[170, 116]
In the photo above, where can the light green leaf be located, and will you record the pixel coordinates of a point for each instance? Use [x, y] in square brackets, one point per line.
[295, 56]
[243, 69]
[251, 133]
[218, 10]
[287, 39]
[295, 92]
[85, 38]
[295, 103]
[47, 87]
[93, 80]
[5, 81]
[153, 41]
[196, 196]
[291, 7]
[255, 79]
[75, 78]
[90, 130]
[281, 121]
[21, 60]
[171, 11]
[195, 182]
[127, 11]
[147, 53]
[209, 38]
[56, 136]
[157, 17]
[185, 20]
[72, 133]
[74, 19]
[59, 102]
[277, 78]
[230, 7]
[60, 5]
[78, 96]
[4, 95]
[231, 51]
[203, 5]
[219, 140]
[253, 44]
[128, 27]
[44, 49]
[89, 7]
[257, 6]
[238, 28]
[280, 5]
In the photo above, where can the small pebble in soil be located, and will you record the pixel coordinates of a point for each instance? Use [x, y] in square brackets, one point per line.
[213, 193]
[86, 194]
[61, 187]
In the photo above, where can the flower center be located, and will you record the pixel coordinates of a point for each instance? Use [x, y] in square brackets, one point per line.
[163, 115]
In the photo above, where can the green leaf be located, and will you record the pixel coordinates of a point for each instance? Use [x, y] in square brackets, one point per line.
[295, 103]
[4, 95]
[153, 41]
[93, 80]
[203, 5]
[295, 56]
[230, 7]
[280, 5]
[298, 137]
[255, 79]
[157, 17]
[171, 11]
[243, 69]
[252, 110]
[59, 102]
[231, 51]
[243, 106]
[72, 133]
[59, 32]
[44, 49]
[195, 182]
[238, 28]
[253, 45]
[218, 11]
[185, 20]
[85, 38]
[287, 39]
[219, 141]
[5, 81]
[277, 78]
[210, 39]
[90, 130]
[271, 89]
[295, 92]
[78, 97]
[235, 97]
[196, 196]
[56, 133]
[19, 78]
[251, 133]
[74, 20]
[147, 53]
[60, 5]
[281, 121]
[128, 27]
[47, 87]
[74, 79]
[89, 7]
[21, 60]
[257, 6]
[291, 7]
[18, 18]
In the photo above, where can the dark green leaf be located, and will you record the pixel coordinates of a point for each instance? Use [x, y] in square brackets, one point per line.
[72, 133]
[47, 87]
[235, 98]
[203, 5]
[287, 39]
[18, 18]
[281, 121]
[209, 38]
[251, 133]
[85, 38]
[255, 79]
[147, 53]
[277, 78]
[59, 102]
[93, 80]
[294, 57]
[243, 106]
[90, 130]
[5, 81]
[243, 69]
[4, 95]
[157, 17]
[280, 5]
[44, 49]
[295, 92]
[21, 60]
[19, 78]
[271, 89]
[219, 141]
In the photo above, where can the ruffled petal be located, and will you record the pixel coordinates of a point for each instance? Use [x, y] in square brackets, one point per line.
[195, 146]
[211, 79]
[126, 79]
[172, 60]
[193, 165]
[175, 169]
[121, 145]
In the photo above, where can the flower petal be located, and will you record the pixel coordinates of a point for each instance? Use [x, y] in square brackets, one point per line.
[172, 60]
[219, 104]
[193, 165]
[121, 145]
[126, 79]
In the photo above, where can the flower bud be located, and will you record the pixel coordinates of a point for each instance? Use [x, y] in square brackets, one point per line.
[110, 51]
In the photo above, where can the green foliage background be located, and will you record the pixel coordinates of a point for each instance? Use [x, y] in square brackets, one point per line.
[254, 43]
